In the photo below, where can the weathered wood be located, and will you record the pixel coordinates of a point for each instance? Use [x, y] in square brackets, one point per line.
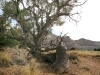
[61, 64]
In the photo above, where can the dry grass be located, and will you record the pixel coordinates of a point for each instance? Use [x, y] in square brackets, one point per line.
[26, 70]
[84, 53]
[79, 52]
[31, 68]
[5, 59]
[74, 59]
[34, 68]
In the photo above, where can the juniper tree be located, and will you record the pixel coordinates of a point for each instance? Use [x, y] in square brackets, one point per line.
[34, 19]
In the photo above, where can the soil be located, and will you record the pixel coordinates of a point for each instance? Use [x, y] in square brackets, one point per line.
[86, 66]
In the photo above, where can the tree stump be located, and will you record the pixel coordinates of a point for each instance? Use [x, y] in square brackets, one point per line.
[61, 64]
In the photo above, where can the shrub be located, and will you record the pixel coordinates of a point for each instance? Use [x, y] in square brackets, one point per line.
[97, 49]
[72, 48]
[74, 59]
[6, 42]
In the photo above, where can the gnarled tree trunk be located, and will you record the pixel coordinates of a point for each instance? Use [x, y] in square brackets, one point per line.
[61, 64]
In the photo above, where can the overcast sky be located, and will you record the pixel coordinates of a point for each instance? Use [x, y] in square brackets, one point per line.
[89, 25]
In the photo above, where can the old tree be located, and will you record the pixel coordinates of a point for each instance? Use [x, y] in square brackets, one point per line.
[33, 20]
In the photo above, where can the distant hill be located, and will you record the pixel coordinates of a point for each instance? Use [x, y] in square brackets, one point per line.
[84, 42]
[81, 44]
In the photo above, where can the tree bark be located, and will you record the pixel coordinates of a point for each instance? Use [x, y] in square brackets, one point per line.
[61, 65]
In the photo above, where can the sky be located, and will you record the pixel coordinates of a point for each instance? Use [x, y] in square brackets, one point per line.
[88, 26]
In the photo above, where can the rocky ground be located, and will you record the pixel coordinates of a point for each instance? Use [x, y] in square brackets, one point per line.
[85, 65]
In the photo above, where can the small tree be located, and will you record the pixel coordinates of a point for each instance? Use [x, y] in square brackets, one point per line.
[4, 40]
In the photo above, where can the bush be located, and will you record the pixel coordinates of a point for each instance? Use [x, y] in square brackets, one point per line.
[72, 48]
[97, 49]
[6, 42]
[74, 59]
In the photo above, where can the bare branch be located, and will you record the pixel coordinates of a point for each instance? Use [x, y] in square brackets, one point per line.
[73, 19]
[36, 19]
[22, 4]
[61, 14]
[82, 3]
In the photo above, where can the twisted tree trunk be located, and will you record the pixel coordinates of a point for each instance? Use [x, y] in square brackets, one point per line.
[61, 65]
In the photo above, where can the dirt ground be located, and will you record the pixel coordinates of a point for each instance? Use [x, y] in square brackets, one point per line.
[87, 66]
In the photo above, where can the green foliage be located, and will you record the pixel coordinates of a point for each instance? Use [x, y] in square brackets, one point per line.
[72, 48]
[97, 49]
[9, 9]
[6, 42]
[34, 19]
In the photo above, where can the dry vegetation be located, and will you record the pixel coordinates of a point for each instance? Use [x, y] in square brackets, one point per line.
[84, 53]
[14, 62]
[31, 68]
[5, 59]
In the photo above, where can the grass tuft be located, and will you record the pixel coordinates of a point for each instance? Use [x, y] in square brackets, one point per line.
[31, 68]
[5, 59]
[74, 59]
[26, 70]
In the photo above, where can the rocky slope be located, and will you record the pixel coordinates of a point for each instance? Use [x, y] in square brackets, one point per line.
[81, 44]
